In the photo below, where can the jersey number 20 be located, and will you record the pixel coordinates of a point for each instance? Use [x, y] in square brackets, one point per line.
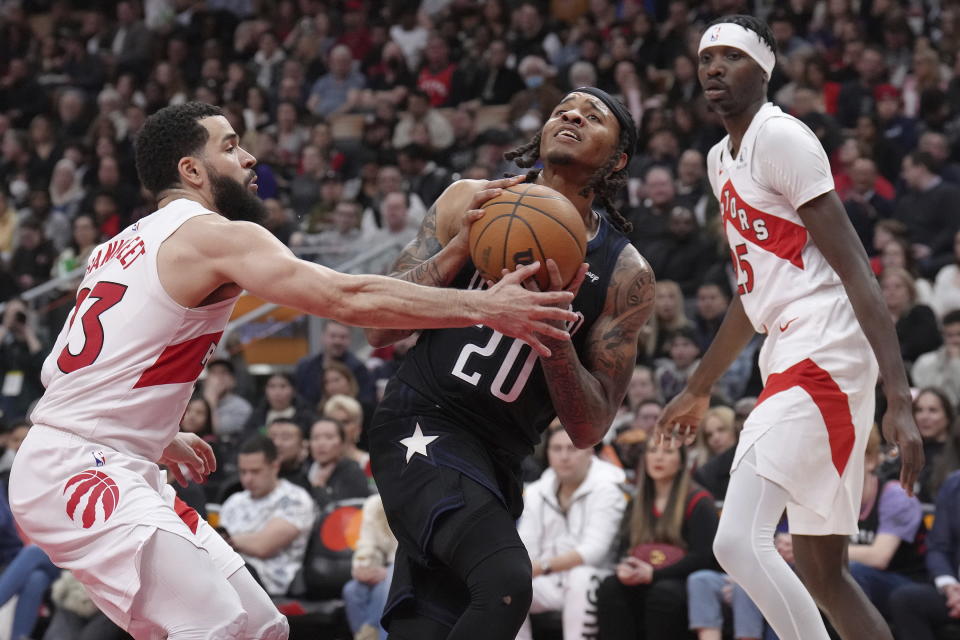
[496, 387]
[107, 295]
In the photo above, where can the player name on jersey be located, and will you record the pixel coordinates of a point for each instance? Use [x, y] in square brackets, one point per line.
[124, 250]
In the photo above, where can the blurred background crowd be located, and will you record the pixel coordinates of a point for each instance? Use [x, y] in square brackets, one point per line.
[360, 114]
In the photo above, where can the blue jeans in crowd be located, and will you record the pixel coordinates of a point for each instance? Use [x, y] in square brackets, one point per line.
[364, 603]
[705, 608]
[28, 576]
[878, 584]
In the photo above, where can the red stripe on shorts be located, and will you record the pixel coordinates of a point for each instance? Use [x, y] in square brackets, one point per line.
[187, 513]
[830, 400]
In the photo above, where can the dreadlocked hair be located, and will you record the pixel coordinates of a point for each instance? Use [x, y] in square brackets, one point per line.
[604, 183]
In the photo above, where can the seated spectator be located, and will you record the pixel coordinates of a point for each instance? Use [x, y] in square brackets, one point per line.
[569, 523]
[56, 224]
[918, 611]
[683, 253]
[287, 437]
[630, 440]
[941, 368]
[711, 307]
[85, 239]
[348, 411]
[916, 324]
[28, 577]
[926, 210]
[8, 224]
[642, 387]
[495, 82]
[34, 256]
[280, 400]
[424, 176]
[532, 106]
[66, 192]
[672, 372]
[230, 411]
[332, 476]
[640, 600]
[338, 379]
[269, 521]
[335, 92]
[344, 239]
[436, 76]
[21, 360]
[366, 594]
[75, 616]
[934, 415]
[887, 550]
[668, 316]
[946, 287]
[899, 254]
[335, 346]
[715, 435]
[650, 217]
[420, 111]
[864, 205]
[396, 232]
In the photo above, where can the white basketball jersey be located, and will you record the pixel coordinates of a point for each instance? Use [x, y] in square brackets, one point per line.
[123, 368]
[780, 166]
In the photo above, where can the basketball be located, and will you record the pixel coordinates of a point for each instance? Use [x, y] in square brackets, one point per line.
[528, 223]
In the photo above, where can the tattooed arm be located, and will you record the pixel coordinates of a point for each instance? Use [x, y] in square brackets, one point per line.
[586, 395]
[440, 249]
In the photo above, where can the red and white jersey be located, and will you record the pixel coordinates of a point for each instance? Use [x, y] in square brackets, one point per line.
[124, 365]
[781, 165]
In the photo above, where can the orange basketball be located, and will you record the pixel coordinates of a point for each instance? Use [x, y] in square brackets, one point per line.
[528, 223]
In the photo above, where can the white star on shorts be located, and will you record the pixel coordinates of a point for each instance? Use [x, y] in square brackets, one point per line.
[417, 443]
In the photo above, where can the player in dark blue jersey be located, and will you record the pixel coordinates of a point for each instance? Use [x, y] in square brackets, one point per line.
[467, 405]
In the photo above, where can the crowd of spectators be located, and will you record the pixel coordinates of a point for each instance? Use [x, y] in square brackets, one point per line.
[360, 114]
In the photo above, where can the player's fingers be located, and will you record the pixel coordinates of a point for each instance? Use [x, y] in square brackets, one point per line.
[177, 473]
[555, 298]
[503, 183]
[553, 271]
[206, 453]
[574, 286]
[553, 313]
[536, 345]
[481, 197]
[522, 272]
[472, 216]
[550, 331]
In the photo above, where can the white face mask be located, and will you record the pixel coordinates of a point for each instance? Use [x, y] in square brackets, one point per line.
[19, 189]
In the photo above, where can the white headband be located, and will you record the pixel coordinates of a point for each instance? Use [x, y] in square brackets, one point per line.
[727, 34]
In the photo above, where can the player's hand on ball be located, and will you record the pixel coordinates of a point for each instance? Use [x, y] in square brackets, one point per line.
[527, 315]
[679, 421]
[491, 189]
[556, 281]
[900, 428]
[189, 455]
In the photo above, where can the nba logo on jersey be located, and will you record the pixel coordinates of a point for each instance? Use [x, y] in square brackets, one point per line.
[93, 496]
[99, 459]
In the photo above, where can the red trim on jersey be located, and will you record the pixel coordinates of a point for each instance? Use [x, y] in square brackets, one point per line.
[830, 400]
[187, 513]
[784, 239]
[181, 362]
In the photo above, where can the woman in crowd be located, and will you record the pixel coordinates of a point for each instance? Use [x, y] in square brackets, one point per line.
[66, 192]
[349, 412]
[568, 526]
[280, 400]
[198, 419]
[916, 324]
[85, 238]
[668, 316]
[899, 253]
[332, 475]
[934, 415]
[672, 523]
[337, 379]
[715, 435]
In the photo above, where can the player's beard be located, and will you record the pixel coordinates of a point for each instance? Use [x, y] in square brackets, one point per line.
[560, 158]
[234, 201]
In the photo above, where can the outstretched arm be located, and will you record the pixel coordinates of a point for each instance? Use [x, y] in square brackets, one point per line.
[248, 255]
[435, 256]
[586, 395]
[832, 233]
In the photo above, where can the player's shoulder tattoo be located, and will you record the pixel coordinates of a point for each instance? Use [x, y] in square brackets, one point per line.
[632, 287]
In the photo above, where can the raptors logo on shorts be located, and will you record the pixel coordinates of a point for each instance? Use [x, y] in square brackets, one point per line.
[91, 488]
